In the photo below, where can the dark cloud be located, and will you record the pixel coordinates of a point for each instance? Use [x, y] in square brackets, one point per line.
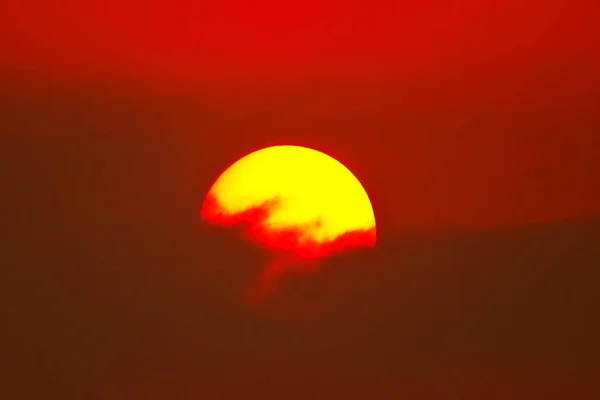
[111, 288]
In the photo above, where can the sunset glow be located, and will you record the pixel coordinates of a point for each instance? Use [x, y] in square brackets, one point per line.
[295, 200]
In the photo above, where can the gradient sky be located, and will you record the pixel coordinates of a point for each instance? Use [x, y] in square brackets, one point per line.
[201, 40]
[473, 125]
[456, 114]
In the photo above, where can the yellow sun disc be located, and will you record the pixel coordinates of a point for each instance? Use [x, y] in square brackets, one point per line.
[293, 198]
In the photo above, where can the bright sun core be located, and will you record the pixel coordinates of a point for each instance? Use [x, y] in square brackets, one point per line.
[293, 199]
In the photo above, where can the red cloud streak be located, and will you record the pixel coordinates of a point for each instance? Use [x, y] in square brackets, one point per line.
[288, 243]
[289, 248]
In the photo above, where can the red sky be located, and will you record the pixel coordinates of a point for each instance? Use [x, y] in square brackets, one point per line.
[117, 116]
[201, 40]
[454, 113]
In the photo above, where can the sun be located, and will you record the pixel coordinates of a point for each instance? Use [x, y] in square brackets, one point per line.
[293, 200]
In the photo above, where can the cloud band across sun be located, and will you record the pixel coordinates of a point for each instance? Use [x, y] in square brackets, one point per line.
[295, 200]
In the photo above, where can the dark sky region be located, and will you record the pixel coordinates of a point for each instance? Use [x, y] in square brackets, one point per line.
[474, 126]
